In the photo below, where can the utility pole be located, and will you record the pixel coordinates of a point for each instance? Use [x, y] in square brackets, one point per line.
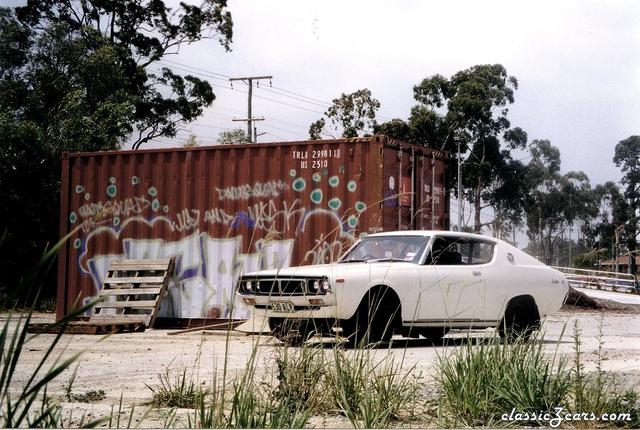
[249, 119]
[459, 189]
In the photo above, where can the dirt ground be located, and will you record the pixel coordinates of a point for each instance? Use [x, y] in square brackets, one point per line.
[126, 364]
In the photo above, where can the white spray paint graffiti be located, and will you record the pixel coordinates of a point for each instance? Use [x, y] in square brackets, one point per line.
[269, 189]
[267, 216]
[206, 273]
[207, 268]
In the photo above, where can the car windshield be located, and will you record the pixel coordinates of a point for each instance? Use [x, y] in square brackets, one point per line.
[388, 248]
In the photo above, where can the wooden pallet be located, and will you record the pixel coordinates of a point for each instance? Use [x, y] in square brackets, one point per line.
[132, 292]
[128, 302]
[86, 327]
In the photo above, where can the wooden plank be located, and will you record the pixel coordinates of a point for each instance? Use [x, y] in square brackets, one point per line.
[109, 287]
[131, 265]
[165, 286]
[84, 327]
[119, 319]
[125, 261]
[135, 280]
[223, 325]
[133, 304]
[130, 291]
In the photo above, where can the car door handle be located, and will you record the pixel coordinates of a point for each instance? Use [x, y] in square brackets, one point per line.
[476, 273]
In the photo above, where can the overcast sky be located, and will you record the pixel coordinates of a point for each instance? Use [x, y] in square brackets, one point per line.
[577, 64]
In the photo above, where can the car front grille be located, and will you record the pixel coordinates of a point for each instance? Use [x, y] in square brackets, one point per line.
[264, 286]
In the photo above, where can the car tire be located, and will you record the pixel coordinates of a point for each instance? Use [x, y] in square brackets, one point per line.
[374, 321]
[290, 331]
[519, 322]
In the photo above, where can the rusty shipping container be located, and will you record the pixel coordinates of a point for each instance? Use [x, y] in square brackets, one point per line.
[226, 210]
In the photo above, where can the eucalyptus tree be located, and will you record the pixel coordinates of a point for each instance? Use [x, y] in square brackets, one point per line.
[627, 157]
[468, 112]
[349, 115]
[85, 75]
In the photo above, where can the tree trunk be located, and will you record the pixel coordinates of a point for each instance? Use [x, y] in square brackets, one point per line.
[477, 204]
[632, 243]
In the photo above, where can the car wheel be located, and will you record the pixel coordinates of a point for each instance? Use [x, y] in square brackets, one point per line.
[518, 322]
[374, 320]
[290, 331]
[434, 334]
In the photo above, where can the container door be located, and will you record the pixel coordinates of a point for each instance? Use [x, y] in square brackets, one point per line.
[431, 206]
[398, 206]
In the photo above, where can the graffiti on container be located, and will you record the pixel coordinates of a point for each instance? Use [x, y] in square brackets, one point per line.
[208, 268]
[188, 219]
[267, 216]
[269, 189]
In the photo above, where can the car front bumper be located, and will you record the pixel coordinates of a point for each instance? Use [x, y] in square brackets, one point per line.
[299, 307]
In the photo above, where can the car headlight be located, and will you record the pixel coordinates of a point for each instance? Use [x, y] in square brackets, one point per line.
[326, 287]
[248, 285]
[316, 285]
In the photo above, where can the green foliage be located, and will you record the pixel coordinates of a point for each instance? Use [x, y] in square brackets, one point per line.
[90, 396]
[316, 129]
[556, 201]
[191, 142]
[301, 374]
[600, 392]
[230, 137]
[589, 260]
[370, 392]
[479, 383]
[28, 404]
[251, 403]
[349, 114]
[470, 109]
[75, 76]
[627, 157]
[175, 390]
[607, 229]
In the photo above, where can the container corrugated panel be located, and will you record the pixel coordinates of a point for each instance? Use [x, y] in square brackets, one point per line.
[222, 211]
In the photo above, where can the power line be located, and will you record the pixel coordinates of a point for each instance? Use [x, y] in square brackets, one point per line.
[323, 105]
[196, 68]
[289, 104]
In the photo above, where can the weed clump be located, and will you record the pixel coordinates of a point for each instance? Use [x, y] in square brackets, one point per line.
[481, 382]
[175, 390]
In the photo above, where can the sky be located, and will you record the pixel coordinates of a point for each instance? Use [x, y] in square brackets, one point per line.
[577, 65]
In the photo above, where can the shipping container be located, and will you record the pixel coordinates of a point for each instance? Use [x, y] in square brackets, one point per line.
[225, 210]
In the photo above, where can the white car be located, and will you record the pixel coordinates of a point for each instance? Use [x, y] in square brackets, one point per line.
[410, 283]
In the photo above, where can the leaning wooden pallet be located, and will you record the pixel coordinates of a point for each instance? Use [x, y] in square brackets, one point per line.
[132, 291]
[129, 300]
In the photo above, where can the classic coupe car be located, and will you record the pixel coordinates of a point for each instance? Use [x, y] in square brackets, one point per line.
[411, 283]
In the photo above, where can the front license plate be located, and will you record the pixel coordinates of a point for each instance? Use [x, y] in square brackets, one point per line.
[284, 307]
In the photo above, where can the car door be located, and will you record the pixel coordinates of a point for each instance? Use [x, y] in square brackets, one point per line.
[453, 287]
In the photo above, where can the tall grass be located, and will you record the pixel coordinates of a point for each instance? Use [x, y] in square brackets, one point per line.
[251, 402]
[370, 391]
[30, 406]
[599, 392]
[482, 381]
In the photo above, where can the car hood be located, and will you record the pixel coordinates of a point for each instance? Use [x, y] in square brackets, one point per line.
[330, 270]
[313, 270]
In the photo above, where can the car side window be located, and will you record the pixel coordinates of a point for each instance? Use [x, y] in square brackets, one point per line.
[448, 251]
[456, 251]
[482, 252]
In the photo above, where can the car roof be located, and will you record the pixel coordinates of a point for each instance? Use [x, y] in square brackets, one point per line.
[432, 233]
